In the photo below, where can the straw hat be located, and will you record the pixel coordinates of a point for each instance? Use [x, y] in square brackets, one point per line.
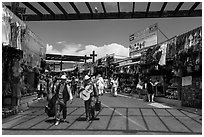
[63, 77]
[86, 77]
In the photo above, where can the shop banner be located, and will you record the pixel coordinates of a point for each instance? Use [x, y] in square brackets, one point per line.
[125, 62]
[143, 39]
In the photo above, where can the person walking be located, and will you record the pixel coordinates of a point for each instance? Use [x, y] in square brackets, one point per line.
[63, 92]
[150, 90]
[88, 94]
[73, 85]
[101, 84]
[114, 88]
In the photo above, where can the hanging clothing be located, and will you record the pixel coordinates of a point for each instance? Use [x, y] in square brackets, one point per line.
[14, 34]
[19, 38]
[6, 32]
[162, 60]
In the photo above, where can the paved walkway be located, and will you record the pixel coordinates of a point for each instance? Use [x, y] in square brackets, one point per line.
[131, 116]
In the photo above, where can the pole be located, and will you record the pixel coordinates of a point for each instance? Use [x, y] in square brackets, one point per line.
[163, 34]
[61, 65]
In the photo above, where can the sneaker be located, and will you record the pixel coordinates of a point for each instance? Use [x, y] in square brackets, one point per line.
[57, 123]
[63, 120]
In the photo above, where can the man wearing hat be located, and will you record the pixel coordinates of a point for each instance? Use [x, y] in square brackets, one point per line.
[89, 86]
[63, 92]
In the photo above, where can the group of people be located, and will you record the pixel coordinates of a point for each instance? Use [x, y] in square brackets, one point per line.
[61, 90]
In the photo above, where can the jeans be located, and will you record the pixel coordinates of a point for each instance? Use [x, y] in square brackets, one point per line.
[61, 106]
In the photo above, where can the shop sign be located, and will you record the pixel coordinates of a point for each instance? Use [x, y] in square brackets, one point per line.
[143, 39]
[125, 62]
[186, 81]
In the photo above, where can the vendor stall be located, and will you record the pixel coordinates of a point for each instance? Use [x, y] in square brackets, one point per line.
[22, 51]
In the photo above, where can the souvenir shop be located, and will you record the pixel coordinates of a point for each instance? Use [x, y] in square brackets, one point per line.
[22, 53]
[176, 68]
[127, 72]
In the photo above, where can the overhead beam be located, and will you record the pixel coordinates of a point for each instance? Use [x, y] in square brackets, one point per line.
[32, 8]
[46, 8]
[118, 4]
[66, 57]
[177, 8]
[162, 9]
[193, 7]
[133, 9]
[89, 7]
[103, 6]
[75, 8]
[114, 15]
[61, 8]
[147, 10]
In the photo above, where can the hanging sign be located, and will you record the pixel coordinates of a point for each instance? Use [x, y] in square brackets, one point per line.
[187, 81]
[143, 39]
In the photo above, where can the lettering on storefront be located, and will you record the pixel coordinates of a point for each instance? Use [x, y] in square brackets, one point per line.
[143, 39]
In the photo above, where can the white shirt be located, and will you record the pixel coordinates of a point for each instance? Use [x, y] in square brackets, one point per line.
[115, 82]
[100, 82]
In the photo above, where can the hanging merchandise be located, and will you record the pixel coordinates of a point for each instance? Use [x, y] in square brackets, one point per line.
[149, 56]
[163, 56]
[157, 54]
[6, 31]
[19, 38]
[14, 35]
[171, 48]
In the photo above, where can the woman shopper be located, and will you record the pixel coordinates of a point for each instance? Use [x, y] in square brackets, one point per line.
[101, 84]
[114, 88]
[150, 90]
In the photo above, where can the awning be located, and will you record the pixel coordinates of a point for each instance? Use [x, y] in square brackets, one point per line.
[128, 64]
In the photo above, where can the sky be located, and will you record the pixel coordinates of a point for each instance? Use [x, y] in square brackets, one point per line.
[105, 36]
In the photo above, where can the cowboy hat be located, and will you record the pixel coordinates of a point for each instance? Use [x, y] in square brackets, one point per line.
[86, 77]
[63, 77]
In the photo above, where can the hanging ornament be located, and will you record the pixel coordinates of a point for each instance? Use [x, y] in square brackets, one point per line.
[186, 46]
[197, 67]
[189, 69]
[190, 40]
[156, 67]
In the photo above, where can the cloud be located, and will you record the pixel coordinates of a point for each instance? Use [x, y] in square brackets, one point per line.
[60, 42]
[80, 50]
[51, 50]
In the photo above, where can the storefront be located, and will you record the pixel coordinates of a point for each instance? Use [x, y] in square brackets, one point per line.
[127, 71]
[22, 52]
[175, 65]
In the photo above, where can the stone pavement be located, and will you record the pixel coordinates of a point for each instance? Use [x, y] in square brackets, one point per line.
[192, 110]
[119, 115]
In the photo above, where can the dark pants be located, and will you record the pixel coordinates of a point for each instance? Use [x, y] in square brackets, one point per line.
[89, 109]
[73, 88]
[61, 106]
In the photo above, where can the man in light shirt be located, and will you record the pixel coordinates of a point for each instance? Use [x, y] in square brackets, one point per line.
[100, 84]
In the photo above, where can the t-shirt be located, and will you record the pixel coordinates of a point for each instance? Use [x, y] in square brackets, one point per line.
[115, 83]
[149, 87]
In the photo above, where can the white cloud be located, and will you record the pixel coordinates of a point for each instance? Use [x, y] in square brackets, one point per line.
[80, 50]
[60, 42]
[50, 50]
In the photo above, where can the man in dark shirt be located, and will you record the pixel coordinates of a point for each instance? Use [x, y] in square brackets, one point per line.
[150, 90]
[63, 92]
